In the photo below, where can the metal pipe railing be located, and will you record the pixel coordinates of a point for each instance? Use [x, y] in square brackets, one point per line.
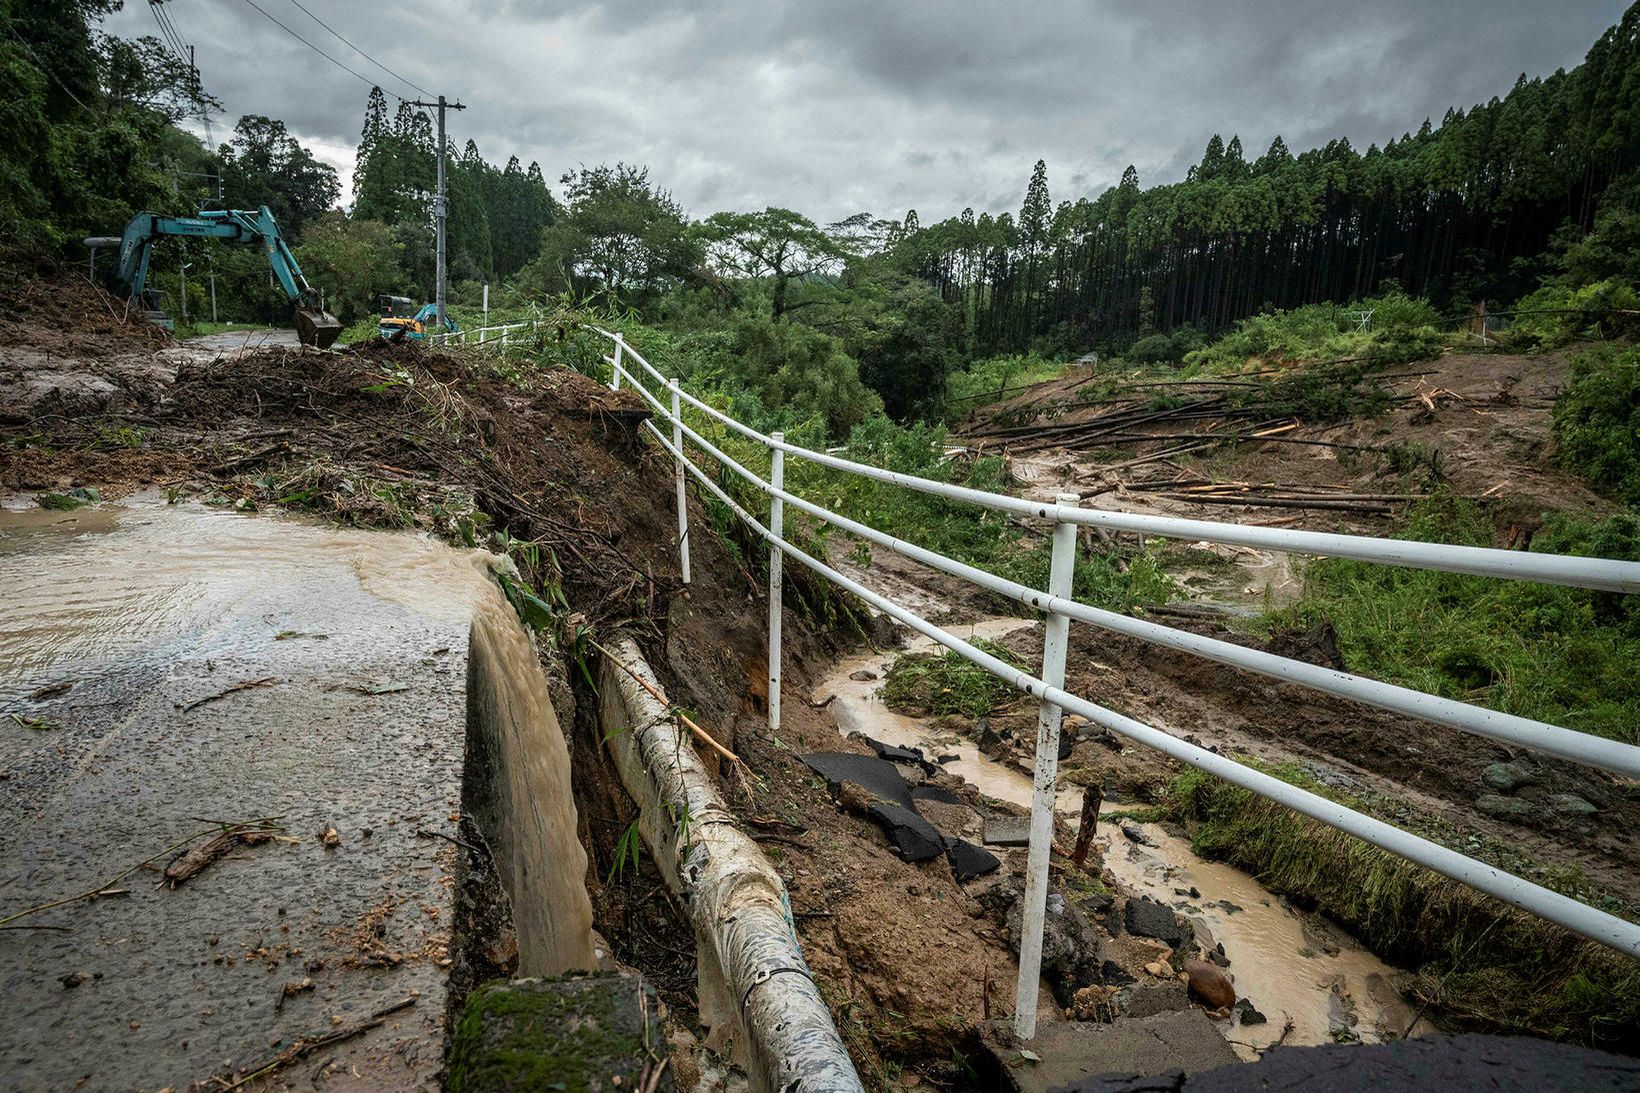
[1578, 572]
[1597, 925]
[1059, 608]
[1579, 747]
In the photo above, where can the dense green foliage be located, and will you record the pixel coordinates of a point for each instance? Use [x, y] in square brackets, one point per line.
[1597, 421]
[1561, 655]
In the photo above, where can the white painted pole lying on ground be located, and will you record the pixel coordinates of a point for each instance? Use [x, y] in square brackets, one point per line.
[1055, 638]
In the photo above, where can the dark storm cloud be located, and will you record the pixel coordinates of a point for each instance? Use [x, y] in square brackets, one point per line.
[835, 108]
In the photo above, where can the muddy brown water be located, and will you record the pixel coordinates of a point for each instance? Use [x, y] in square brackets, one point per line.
[357, 715]
[1313, 975]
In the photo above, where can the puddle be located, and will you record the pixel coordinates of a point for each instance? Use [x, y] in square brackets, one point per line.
[1321, 982]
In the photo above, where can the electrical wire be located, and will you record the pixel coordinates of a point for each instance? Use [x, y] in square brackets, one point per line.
[360, 52]
[168, 35]
[353, 72]
[45, 70]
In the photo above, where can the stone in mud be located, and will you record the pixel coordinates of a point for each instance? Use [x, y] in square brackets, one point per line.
[863, 676]
[1007, 830]
[1135, 835]
[579, 1032]
[914, 838]
[1506, 777]
[878, 778]
[1067, 742]
[1503, 808]
[1147, 918]
[1249, 1013]
[1569, 804]
[969, 861]
[1210, 984]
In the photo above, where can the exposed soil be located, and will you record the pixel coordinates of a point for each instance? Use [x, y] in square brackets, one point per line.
[389, 435]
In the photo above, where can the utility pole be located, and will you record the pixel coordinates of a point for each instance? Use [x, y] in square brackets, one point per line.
[440, 209]
[184, 273]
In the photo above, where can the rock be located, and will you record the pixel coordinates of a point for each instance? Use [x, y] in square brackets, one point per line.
[1210, 984]
[914, 838]
[579, 1032]
[969, 861]
[1133, 834]
[1569, 804]
[1504, 808]
[863, 676]
[1067, 742]
[1216, 955]
[1249, 1014]
[1114, 974]
[1007, 831]
[948, 758]
[1147, 918]
[1507, 777]
[876, 777]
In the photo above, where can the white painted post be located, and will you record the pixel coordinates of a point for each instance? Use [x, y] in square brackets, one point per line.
[615, 372]
[486, 321]
[504, 331]
[1056, 630]
[777, 520]
[683, 496]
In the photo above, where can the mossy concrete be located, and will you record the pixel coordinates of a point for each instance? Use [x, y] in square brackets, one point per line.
[580, 1034]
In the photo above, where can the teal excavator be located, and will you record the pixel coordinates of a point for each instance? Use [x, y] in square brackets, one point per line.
[314, 325]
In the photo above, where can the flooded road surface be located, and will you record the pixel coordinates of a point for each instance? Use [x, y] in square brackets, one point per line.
[173, 667]
[249, 338]
[1291, 968]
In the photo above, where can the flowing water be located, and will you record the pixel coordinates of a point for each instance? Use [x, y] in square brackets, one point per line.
[120, 599]
[1314, 976]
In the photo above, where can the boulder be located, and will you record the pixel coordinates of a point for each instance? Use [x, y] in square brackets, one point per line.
[1506, 777]
[1569, 804]
[1209, 984]
[1249, 1013]
[1503, 808]
[1147, 918]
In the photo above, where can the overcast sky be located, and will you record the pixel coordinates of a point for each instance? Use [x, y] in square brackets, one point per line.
[835, 108]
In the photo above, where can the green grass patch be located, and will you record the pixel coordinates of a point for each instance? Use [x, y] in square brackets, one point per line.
[1402, 329]
[1481, 965]
[937, 684]
[1562, 655]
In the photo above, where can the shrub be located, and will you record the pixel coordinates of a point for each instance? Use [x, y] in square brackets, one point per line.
[1597, 422]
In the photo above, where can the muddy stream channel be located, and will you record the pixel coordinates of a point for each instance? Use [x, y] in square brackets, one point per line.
[1321, 980]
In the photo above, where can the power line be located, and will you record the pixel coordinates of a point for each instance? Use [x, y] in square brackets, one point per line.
[359, 51]
[46, 70]
[362, 79]
[170, 39]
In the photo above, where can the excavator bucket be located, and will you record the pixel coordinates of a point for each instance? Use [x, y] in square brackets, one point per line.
[317, 327]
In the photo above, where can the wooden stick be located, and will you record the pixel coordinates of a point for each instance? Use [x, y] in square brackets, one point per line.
[700, 733]
[1088, 826]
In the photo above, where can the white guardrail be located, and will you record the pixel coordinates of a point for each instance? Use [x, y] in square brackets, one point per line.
[1059, 609]
[500, 334]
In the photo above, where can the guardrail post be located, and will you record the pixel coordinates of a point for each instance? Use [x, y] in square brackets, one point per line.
[777, 520]
[615, 372]
[1056, 631]
[683, 496]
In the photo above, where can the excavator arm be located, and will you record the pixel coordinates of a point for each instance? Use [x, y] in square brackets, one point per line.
[314, 325]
